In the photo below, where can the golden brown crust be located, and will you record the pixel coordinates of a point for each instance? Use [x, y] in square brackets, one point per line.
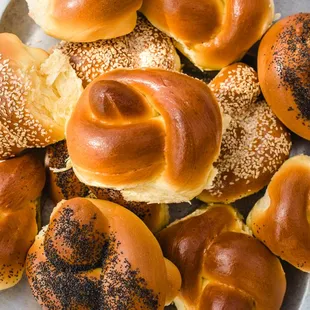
[65, 185]
[18, 128]
[33, 101]
[213, 34]
[109, 259]
[146, 46]
[255, 143]
[160, 132]
[281, 219]
[221, 264]
[85, 20]
[283, 69]
[21, 182]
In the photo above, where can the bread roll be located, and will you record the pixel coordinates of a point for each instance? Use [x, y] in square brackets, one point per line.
[152, 134]
[284, 74]
[281, 218]
[63, 184]
[255, 143]
[37, 93]
[221, 264]
[146, 46]
[213, 33]
[85, 20]
[21, 182]
[97, 255]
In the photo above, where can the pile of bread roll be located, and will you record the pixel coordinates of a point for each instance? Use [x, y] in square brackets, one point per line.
[125, 133]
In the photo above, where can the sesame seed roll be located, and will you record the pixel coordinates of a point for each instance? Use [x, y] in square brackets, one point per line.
[146, 46]
[37, 93]
[255, 143]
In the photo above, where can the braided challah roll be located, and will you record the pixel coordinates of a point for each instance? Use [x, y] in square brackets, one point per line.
[213, 33]
[85, 20]
[222, 265]
[97, 255]
[21, 182]
[281, 218]
[152, 134]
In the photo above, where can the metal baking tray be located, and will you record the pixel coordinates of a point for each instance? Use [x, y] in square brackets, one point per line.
[14, 19]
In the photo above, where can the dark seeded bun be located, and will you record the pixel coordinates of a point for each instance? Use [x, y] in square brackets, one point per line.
[96, 253]
[284, 74]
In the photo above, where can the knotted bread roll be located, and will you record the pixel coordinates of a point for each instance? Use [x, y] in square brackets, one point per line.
[85, 20]
[281, 219]
[255, 143]
[211, 33]
[37, 94]
[152, 134]
[21, 182]
[284, 71]
[222, 265]
[97, 255]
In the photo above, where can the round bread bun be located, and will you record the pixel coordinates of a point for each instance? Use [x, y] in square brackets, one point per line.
[85, 20]
[146, 46]
[21, 182]
[152, 134]
[221, 264]
[95, 253]
[63, 184]
[255, 143]
[212, 34]
[37, 93]
[281, 219]
[284, 71]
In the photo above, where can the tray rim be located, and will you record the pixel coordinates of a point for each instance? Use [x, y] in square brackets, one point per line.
[305, 302]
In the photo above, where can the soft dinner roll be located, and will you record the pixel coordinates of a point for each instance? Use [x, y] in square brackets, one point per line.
[281, 219]
[254, 145]
[37, 93]
[97, 255]
[85, 20]
[284, 71]
[146, 46]
[21, 182]
[63, 184]
[211, 33]
[221, 264]
[153, 134]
